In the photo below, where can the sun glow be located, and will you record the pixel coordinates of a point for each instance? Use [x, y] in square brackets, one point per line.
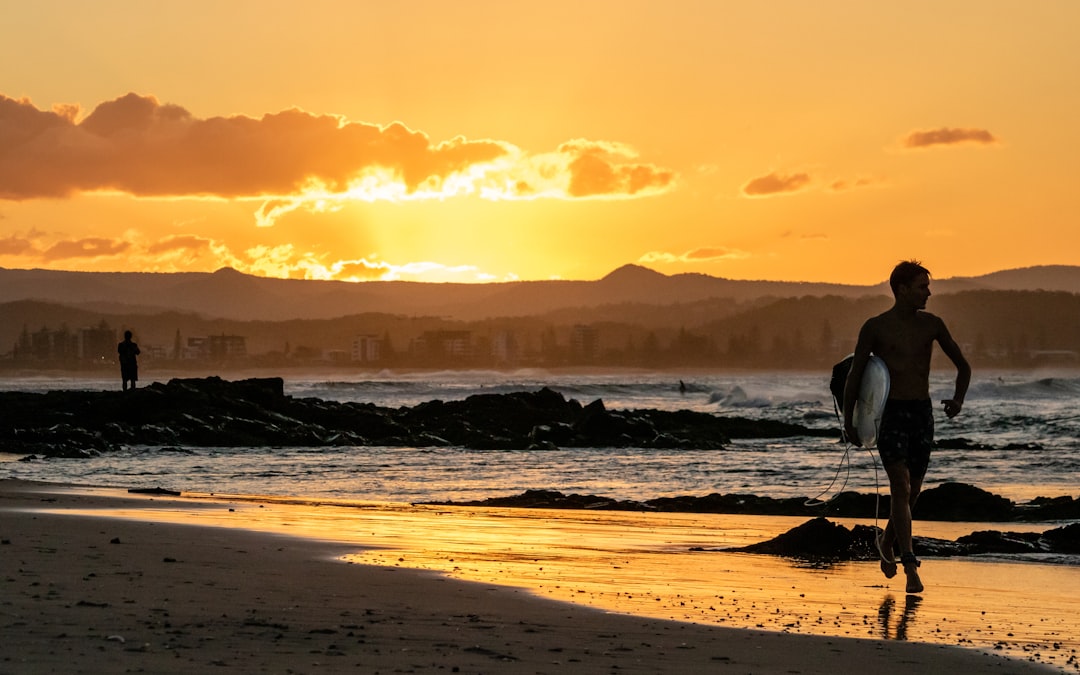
[577, 170]
[725, 139]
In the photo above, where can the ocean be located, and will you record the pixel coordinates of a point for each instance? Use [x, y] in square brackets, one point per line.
[1024, 425]
[1017, 437]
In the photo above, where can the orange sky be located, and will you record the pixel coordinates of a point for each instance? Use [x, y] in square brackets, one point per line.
[487, 140]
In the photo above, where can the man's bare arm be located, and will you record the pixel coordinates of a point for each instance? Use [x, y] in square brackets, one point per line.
[963, 372]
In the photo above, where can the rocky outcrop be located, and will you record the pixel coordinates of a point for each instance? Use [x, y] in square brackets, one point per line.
[824, 541]
[948, 501]
[212, 412]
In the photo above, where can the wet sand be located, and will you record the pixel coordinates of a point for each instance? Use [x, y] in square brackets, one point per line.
[96, 580]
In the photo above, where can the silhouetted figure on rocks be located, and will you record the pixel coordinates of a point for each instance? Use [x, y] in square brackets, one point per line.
[129, 361]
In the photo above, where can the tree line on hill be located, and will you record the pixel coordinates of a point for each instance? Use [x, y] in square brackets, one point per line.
[1007, 329]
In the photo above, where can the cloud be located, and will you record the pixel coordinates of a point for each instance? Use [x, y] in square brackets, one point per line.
[183, 242]
[358, 270]
[184, 252]
[91, 247]
[289, 160]
[285, 262]
[776, 184]
[379, 270]
[849, 184]
[598, 169]
[14, 245]
[698, 255]
[948, 136]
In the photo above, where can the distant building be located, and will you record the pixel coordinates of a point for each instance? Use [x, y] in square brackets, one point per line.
[153, 352]
[584, 343]
[366, 349]
[504, 347]
[98, 343]
[443, 344]
[336, 355]
[53, 345]
[225, 347]
[62, 345]
[196, 348]
[217, 347]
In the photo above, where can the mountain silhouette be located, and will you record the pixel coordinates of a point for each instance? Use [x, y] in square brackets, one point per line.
[233, 295]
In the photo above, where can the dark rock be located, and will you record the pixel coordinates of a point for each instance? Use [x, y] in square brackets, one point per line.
[255, 412]
[555, 434]
[551, 499]
[992, 541]
[958, 444]
[1047, 508]
[1063, 539]
[822, 540]
[815, 539]
[1021, 446]
[843, 505]
[937, 548]
[960, 501]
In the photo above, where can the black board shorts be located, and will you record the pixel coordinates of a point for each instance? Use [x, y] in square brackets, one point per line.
[906, 435]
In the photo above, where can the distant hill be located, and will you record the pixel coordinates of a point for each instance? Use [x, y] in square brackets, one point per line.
[998, 328]
[231, 295]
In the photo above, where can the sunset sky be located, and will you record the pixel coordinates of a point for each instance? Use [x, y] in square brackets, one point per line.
[486, 140]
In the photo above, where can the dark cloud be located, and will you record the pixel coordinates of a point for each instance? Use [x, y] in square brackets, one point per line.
[948, 136]
[184, 242]
[776, 183]
[16, 246]
[91, 247]
[845, 184]
[138, 146]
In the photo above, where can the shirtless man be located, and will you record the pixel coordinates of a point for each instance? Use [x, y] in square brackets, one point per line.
[904, 338]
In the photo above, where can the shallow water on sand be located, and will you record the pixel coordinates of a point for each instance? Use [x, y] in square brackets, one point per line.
[668, 566]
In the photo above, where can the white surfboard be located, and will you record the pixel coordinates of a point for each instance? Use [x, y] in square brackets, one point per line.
[873, 393]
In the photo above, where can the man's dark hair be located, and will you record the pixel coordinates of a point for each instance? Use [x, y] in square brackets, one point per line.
[905, 272]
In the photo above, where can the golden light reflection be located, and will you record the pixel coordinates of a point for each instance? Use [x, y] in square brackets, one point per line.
[667, 566]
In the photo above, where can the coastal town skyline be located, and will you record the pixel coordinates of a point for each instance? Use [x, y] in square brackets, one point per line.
[483, 142]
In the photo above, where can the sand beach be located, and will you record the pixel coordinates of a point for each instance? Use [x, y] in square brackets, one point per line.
[101, 581]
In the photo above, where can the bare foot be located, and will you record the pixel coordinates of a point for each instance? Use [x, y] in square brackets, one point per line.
[888, 562]
[914, 583]
[911, 569]
[888, 569]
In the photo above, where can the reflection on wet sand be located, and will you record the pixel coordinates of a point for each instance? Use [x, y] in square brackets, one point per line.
[900, 629]
[669, 566]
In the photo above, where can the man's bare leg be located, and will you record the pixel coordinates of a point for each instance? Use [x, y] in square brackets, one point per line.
[914, 583]
[901, 497]
[885, 541]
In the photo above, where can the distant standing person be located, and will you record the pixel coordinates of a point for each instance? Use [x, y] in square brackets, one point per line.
[129, 361]
[904, 337]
